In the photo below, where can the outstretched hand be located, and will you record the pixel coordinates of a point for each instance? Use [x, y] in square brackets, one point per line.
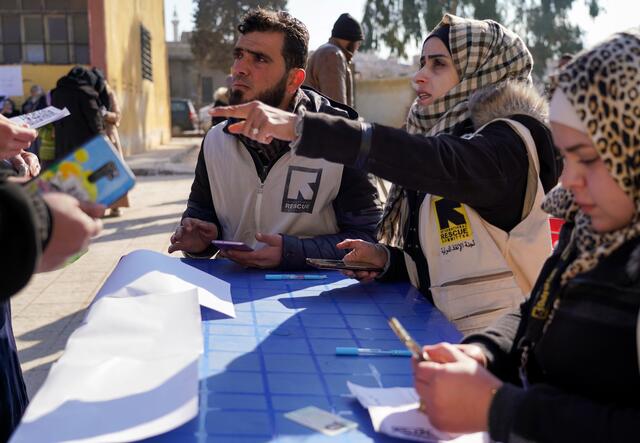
[261, 122]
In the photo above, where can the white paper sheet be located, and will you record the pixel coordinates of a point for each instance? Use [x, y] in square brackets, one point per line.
[148, 272]
[11, 80]
[394, 412]
[41, 117]
[129, 372]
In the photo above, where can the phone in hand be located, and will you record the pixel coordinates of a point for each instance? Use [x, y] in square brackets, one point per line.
[323, 263]
[409, 342]
[225, 245]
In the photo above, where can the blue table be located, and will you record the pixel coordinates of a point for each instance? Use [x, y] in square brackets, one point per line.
[278, 354]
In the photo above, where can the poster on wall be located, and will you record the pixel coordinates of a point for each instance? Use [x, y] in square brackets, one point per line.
[11, 81]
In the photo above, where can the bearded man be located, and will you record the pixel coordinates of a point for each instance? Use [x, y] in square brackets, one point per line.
[286, 207]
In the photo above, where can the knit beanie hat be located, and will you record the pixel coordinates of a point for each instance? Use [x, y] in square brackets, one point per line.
[347, 28]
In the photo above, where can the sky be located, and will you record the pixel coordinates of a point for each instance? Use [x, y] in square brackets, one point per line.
[617, 15]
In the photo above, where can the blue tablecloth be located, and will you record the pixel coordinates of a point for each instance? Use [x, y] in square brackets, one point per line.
[278, 354]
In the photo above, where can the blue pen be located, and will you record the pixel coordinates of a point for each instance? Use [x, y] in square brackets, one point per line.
[294, 277]
[372, 352]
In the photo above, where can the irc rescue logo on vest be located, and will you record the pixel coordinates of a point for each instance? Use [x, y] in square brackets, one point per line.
[301, 189]
[453, 221]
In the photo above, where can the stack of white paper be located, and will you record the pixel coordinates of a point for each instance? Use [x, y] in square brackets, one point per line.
[131, 370]
[148, 272]
[394, 411]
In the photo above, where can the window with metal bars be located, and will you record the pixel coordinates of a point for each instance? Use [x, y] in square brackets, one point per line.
[145, 51]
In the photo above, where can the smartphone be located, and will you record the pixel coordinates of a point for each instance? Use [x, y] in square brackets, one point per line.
[322, 263]
[225, 245]
[409, 342]
[94, 172]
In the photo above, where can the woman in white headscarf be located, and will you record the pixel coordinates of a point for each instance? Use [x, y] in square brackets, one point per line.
[463, 222]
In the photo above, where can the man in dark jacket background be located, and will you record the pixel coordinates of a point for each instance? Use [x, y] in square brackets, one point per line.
[331, 69]
[249, 191]
[77, 91]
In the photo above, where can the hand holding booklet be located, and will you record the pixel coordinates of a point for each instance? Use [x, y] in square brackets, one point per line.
[93, 172]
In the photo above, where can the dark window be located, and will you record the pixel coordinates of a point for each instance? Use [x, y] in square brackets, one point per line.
[82, 54]
[11, 29]
[57, 29]
[9, 4]
[59, 54]
[34, 5]
[80, 29]
[145, 51]
[11, 54]
[33, 32]
[178, 106]
[66, 5]
[58, 35]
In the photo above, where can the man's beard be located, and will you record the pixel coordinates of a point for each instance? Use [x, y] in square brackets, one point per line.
[272, 97]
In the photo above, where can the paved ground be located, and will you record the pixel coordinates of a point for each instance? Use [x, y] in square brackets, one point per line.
[52, 306]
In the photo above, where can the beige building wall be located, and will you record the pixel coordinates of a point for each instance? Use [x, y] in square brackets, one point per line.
[145, 104]
[384, 101]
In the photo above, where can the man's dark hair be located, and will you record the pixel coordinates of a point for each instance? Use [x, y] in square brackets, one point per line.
[296, 36]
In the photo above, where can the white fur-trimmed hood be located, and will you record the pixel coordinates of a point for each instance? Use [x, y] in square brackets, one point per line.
[505, 99]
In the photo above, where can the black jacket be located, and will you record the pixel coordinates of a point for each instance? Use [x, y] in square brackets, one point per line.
[80, 97]
[487, 172]
[584, 372]
[24, 229]
[356, 206]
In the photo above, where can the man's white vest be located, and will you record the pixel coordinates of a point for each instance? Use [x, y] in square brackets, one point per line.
[295, 198]
[479, 272]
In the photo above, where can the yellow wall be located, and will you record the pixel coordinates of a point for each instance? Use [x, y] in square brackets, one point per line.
[43, 75]
[145, 104]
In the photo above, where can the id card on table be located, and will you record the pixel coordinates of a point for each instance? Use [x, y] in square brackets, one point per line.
[320, 420]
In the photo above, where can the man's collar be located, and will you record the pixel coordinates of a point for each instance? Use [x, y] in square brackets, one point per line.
[347, 54]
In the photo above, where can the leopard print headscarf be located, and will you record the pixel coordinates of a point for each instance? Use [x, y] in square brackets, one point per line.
[484, 53]
[603, 86]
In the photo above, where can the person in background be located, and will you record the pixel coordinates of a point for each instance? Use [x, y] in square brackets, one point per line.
[331, 70]
[111, 114]
[463, 221]
[77, 92]
[37, 100]
[38, 234]
[9, 108]
[220, 98]
[565, 366]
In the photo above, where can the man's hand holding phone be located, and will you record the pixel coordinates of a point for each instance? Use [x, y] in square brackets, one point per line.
[363, 252]
[270, 256]
[193, 235]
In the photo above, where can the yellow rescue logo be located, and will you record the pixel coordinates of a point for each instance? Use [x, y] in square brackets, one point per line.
[453, 221]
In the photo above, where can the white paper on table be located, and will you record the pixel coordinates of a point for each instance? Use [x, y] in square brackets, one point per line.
[394, 412]
[129, 372]
[11, 80]
[41, 117]
[147, 272]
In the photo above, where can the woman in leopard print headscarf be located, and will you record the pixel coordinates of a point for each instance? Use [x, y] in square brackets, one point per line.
[565, 367]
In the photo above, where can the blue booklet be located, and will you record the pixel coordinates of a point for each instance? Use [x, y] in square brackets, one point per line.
[94, 172]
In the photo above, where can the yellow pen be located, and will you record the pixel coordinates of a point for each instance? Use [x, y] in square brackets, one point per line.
[410, 343]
